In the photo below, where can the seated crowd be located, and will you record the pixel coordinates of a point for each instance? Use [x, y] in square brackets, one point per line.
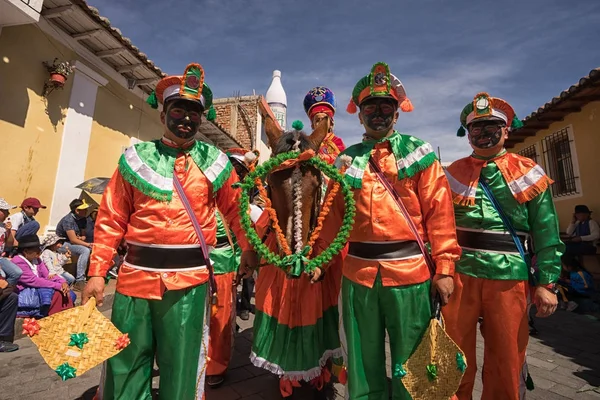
[33, 280]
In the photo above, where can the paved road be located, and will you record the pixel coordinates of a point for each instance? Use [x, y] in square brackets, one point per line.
[564, 362]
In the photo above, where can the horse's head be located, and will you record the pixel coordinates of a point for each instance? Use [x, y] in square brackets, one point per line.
[281, 183]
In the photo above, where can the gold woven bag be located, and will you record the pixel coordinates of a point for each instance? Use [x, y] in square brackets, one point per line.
[75, 340]
[435, 369]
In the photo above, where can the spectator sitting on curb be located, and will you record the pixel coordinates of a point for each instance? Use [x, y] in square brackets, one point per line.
[8, 270]
[54, 260]
[29, 209]
[575, 285]
[9, 302]
[68, 227]
[36, 276]
[584, 232]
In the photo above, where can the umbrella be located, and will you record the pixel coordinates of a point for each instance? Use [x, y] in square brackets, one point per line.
[94, 185]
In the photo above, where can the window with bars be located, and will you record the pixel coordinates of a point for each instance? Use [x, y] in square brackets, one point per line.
[530, 152]
[559, 163]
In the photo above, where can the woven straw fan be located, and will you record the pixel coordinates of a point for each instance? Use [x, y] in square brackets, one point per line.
[75, 340]
[435, 369]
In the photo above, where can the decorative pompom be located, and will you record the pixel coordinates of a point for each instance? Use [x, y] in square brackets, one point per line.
[461, 131]
[516, 123]
[212, 114]
[406, 105]
[351, 108]
[297, 125]
[152, 100]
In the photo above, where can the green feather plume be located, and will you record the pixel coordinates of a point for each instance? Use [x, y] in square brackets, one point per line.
[516, 123]
[212, 114]
[152, 100]
[297, 125]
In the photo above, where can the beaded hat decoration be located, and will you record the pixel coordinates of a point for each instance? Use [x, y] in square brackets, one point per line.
[319, 100]
[485, 107]
[190, 87]
[379, 83]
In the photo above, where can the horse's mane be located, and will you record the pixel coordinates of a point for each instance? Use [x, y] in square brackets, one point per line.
[287, 140]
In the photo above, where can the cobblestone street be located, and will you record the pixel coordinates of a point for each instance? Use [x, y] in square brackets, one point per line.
[564, 361]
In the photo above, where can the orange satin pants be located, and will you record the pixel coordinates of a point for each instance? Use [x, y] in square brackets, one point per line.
[503, 306]
[222, 325]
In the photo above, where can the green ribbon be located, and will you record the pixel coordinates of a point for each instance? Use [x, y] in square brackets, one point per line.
[65, 371]
[432, 372]
[399, 371]
[295, 263]
[460, 362]
[79, 339]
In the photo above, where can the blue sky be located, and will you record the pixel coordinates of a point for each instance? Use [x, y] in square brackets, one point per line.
[444, 51]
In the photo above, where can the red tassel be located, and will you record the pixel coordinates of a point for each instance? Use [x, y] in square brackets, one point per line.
[343, 378]
[351, 108]
[326, 375]
[406, 105]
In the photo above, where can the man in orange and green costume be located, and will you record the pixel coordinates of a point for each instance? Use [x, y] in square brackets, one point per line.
[492, 275]
[162, 300]
[319, 103]
[386, 282]
[226, 261]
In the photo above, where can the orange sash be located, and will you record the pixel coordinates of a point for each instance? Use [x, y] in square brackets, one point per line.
[524, 177]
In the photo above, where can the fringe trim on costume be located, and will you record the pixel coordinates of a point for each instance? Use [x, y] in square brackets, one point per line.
[142, 185]
[295, 375]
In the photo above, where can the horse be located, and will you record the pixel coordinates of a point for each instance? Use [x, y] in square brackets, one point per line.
[293, 334]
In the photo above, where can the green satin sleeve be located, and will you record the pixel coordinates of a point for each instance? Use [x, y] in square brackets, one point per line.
[546, 239]
[225, 259]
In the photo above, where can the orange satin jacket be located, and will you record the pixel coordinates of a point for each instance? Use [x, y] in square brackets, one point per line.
[427, 198]
[126, 212]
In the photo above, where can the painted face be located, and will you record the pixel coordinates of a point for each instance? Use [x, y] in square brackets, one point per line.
[241, 170]
[3, 215]
[486, 134]
[183, 118]
[378, 114]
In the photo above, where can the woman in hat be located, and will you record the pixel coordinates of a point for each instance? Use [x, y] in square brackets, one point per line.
[584, 232]
[36, 275]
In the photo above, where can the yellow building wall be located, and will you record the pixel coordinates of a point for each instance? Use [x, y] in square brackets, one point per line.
[586, 135]
[30, 127]
[119, 115]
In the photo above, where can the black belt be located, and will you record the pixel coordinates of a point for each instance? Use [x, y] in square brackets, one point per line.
[222, 242]
[489, 241]
[384, 250]
[164, 258]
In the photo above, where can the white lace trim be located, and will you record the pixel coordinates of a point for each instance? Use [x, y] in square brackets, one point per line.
[295, 375]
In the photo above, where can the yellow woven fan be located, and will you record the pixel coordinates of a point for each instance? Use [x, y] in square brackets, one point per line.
[75, 340]
[435, 369]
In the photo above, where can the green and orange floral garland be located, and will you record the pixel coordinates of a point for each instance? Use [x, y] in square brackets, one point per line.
[296, 263]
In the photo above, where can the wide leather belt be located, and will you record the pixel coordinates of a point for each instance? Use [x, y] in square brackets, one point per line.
[164, 258]
[485, 241]
[384, 250]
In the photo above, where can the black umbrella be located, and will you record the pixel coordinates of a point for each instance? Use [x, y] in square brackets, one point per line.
[94, 185]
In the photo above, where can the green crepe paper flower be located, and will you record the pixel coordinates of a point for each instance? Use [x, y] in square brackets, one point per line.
[432, 372]
[399, 371]
[460, 362]
[79, 339]
[65, 371]
[247, 185]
